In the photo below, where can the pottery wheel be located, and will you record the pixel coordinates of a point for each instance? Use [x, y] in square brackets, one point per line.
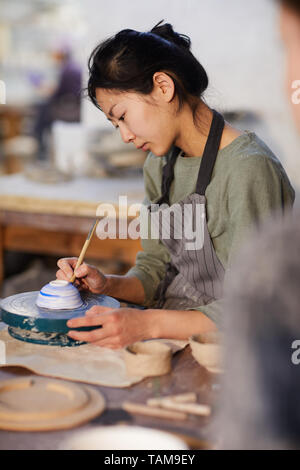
[39, 404]
[28, 322]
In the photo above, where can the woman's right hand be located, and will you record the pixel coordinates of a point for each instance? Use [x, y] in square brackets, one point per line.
[88, 277]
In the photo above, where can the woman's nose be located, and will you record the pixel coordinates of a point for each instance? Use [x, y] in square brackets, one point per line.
[126, 134]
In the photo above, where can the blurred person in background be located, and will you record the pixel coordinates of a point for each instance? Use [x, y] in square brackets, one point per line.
[64, 102]
[259, 403]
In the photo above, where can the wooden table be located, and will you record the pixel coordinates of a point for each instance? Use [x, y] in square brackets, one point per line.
[55, 219]
[187, 375]
[47, 222]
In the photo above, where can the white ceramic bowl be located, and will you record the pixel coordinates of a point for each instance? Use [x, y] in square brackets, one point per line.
[123, 437]
[59, 294]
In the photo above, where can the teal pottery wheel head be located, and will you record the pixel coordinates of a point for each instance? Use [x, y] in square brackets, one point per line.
[31, 323]
[59, 294]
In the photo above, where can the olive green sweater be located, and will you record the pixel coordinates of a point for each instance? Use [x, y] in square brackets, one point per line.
[248, 183]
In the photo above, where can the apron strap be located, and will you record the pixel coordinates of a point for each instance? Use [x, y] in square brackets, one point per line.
[168, 176]
[207, 163]
[210, 152]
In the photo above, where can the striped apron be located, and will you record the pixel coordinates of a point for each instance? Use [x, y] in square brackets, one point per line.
[194, 276]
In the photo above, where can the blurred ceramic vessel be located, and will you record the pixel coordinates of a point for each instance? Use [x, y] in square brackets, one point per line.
[122, 437]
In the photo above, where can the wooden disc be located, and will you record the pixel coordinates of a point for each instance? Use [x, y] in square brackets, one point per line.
[39, 404]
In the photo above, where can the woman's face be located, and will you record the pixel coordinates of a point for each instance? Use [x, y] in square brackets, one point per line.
[147, 121]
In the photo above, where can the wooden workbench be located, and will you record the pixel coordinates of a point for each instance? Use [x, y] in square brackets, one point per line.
[55, 218]
[186, 375]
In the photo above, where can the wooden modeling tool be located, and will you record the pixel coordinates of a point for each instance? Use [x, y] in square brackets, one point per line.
[137, 408]
[189, 397]
[84, 248]
[170, 407]
[190, 408]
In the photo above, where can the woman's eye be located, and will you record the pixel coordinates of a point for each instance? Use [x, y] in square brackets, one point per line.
[122, 118]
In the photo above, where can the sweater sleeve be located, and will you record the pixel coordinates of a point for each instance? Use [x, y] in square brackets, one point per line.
[255, 190]
[150, 265]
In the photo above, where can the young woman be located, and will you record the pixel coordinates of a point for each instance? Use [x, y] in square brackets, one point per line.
[150, 86]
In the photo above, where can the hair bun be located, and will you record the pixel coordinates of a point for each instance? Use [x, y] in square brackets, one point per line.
[166, 31]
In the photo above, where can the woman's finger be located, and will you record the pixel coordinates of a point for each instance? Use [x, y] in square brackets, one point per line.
[93, 336]
[61, 275]
[84, 321]
[83, 271]
[98, 310]
[92, 317]
[67, 265]
[87, 336]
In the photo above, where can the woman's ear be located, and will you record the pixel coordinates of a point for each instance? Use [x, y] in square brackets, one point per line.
[163, 86]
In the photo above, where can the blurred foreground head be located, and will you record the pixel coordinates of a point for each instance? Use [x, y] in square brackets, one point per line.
[259, 406]
[290, 32]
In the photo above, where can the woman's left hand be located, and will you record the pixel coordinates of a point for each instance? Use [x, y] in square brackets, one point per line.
[120, 327]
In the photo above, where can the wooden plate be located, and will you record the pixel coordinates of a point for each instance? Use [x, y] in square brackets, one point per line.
[39, 404]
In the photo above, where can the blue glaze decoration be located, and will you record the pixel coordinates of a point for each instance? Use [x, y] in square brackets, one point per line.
[48, 295]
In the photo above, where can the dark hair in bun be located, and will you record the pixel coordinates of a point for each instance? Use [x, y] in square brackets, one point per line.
[166, 31]
[128, 61]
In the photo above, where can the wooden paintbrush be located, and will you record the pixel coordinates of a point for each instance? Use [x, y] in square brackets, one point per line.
[84, 248]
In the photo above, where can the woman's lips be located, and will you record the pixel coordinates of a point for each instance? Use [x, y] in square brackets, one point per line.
[143, 147]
